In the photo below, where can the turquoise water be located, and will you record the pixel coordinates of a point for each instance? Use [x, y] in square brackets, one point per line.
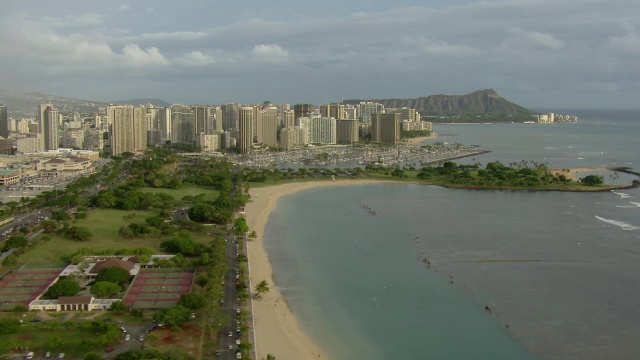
[559, 271]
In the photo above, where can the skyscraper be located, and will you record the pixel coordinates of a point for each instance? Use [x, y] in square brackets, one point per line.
[48, 119]
[121, 129]
[183, 124]
[302, 110]
[245, 127]
[335, 111]
[385, 128]
[268, 125]
[323, 130]
[4, 122]
[230, 113]
[347, 131]
[368, 108]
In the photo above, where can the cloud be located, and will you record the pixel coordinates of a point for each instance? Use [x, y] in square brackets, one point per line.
[136, 57]
[270, 54]
[627, 43]
[515, 46]
[442, 48]
[195, 58]
[518, 39]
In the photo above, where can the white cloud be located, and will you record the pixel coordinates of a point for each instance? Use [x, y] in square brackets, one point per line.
[136, 57]
[195, 58]
[149, 10]
[270, 54]
[124, 8]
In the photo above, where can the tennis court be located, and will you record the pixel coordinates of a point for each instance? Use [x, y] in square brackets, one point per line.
[24, 285]
[156, 288]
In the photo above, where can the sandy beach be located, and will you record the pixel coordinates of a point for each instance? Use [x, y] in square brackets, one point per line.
[418, 140]
[276, 328]
[573, 173]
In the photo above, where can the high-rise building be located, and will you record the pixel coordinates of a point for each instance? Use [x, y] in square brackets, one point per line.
[183, 124]
[4, 121]
[347, 131]
[385, 128]
[368, 108]
[335, 111]
[350, 112]
[292, 137]
[302, 110]
[268, 125]
[94, 140]
[121, 134]
[48, 119]
[245, 127]
[208, 142]
[230, 116]
[217, 119]
[288, 119]
[323, 130]
[164, 123]
[140, 128]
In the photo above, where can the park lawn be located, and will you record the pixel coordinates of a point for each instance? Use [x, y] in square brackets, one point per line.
[38, 339]
[104, 225]
[178, 194]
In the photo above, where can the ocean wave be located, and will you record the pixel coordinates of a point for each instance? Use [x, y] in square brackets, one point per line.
[622, 225]
[625, 206]
[622, 195]
[635, 203]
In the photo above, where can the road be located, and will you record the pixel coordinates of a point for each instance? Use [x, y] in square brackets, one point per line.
[227, 344]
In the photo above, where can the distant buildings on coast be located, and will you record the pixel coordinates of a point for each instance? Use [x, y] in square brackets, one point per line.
[552, 118]
[117, 129]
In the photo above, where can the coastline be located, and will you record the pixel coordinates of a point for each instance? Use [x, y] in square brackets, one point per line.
[276, 329]
[418, 140]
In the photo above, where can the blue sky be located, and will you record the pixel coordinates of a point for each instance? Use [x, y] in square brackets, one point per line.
[561, 53]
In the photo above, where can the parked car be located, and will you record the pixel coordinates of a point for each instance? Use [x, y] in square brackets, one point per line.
[61, 355]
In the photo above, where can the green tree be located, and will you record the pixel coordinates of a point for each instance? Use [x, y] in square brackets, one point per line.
[15, 242]
[174, 315]
[269, 357]
[591, 180]
[118, 306]
[60, 215]
[241, 225]
[193, 300]
[105, 289]
[113, 274]
[62, 287]
[261, 288]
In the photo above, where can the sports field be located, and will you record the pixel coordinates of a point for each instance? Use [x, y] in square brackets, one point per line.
[24, 285]
[158, 288]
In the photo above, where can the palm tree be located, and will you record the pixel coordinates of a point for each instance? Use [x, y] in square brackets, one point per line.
[261, 288]
[270, 357]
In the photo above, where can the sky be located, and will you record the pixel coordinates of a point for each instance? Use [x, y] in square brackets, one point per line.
[537, 53]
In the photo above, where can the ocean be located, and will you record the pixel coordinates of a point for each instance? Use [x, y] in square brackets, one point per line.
[457, 274]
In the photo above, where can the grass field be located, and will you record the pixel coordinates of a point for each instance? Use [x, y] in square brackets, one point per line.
[178, 194]
[104, 225]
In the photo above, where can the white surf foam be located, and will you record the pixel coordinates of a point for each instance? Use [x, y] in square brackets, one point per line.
[635, 203]
[622, 225]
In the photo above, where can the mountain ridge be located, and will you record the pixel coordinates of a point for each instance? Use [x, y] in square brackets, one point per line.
[486, 101]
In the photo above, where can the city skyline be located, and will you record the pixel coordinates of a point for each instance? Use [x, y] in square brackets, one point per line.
[536, 53]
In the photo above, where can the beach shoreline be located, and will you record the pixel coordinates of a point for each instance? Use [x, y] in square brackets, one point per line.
[276, 329]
